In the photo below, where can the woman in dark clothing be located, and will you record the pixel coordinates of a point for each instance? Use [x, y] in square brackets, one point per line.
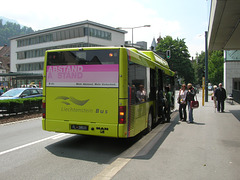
[168, 103]
[190, 97]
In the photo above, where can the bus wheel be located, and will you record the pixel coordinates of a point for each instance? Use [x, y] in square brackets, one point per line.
[150, 122]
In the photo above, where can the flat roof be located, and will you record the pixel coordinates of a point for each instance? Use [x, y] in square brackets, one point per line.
[68, 26]
[224, 25]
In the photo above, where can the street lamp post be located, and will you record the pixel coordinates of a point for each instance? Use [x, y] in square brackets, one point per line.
[133, 28]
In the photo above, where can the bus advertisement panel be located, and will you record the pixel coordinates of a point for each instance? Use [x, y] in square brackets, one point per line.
[82, 75]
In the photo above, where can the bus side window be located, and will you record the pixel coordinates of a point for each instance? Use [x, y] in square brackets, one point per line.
[137, 80]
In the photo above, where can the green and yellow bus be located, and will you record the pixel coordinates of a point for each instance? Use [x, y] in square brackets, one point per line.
[103, 91]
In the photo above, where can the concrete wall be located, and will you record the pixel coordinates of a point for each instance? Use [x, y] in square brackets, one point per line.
[231, 71]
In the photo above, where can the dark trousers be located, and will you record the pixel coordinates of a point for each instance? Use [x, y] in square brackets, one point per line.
[220, 104]
[182, 111]
[167, 113]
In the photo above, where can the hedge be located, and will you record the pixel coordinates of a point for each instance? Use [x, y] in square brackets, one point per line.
[8, 106]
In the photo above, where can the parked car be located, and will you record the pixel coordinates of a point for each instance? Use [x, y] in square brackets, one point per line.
[17, 93]
[210, 88]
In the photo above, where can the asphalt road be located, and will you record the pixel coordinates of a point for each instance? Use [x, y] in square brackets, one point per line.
[28, 152]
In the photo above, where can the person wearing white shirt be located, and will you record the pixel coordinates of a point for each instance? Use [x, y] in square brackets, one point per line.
[182, 103]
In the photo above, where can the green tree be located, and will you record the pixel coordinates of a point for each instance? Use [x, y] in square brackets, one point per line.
[199, 67]
[179, 60]
[215, 67]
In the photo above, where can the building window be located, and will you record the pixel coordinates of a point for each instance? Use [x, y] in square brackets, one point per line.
[41, 52]
[67, 34]
[64, 34]
[97, 33]
[30, 67]
[35, 40]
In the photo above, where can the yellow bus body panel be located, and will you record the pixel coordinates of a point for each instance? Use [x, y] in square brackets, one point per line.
[96, 108]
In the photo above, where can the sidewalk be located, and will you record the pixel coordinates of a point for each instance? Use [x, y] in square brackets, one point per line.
[207, 149]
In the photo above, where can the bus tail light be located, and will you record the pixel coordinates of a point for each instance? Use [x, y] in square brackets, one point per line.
[122, 114]
[44, 110]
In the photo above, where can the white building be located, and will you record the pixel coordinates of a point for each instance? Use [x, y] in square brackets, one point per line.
[231, 71]
[142, 44]
[27, 51]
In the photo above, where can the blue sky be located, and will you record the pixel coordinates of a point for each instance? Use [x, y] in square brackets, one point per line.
[185, 19]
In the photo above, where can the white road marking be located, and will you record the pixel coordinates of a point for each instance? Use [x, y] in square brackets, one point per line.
[32, 143]
[59, 136]
[112, 169]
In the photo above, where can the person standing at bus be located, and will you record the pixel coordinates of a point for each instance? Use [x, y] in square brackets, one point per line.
[182, 103]
[161, 103]
[168, 103]
[141, 94]
[220, 95]
[190, 97]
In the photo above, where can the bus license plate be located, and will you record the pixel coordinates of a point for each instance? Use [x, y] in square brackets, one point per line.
[79, 127]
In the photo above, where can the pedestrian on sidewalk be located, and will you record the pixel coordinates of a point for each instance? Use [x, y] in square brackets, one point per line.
[1, 90]
[220, 95]
[182, 103]
[190, 97]
[214, 97]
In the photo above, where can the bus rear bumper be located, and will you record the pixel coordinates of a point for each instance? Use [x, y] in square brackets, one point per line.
[85, 128]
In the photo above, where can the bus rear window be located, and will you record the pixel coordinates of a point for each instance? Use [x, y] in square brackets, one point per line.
[88, 57]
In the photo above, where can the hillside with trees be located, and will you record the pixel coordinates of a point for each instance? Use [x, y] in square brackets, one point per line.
[10, 29]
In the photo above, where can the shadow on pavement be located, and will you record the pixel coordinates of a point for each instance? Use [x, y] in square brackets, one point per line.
[236, 113]
[90, 148]
[150, 149]
[197, 123]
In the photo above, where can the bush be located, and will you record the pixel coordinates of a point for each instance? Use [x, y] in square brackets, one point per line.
[9, 106]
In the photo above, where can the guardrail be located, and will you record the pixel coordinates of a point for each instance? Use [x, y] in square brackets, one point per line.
[236, 95]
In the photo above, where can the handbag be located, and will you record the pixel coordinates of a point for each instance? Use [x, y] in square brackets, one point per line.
[178, 100]
[194, 104]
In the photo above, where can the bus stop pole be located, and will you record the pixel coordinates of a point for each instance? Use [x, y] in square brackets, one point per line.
[206, 67]
[203, 88]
